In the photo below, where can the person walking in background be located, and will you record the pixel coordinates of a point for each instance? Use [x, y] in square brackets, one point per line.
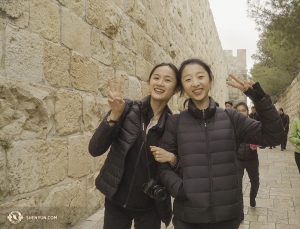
[205, 138]
[132, 130]
[228, 104]
[248, 159]
[286, 124]
[254, 114]
[294, 138]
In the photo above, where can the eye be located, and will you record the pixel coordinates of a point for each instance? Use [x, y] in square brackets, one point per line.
[187, 80]
[168, 81]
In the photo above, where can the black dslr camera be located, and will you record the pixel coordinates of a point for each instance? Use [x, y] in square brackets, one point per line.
[153, 189]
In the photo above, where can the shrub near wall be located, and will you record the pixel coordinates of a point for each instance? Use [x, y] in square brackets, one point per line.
[55, 58]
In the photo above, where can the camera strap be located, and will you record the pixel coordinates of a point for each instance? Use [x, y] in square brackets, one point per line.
[144, 137]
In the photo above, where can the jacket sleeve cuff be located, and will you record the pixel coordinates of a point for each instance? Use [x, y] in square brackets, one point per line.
[255, 94]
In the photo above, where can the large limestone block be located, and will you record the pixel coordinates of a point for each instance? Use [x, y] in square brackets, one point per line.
[1, 43]
[134, 88]
[24, 55]
[104, 74]
[75, 33]
[144, 89]
[36, 163]
[143, 69]
[136, 10]
[26, 207]
[105, 15]
[68, 202]
[56, 65]
[123, 59]
[123, 76]
[84, 73]
[15, 12]
[76, 6]
[68, 112]
[94, 110]
[27, 110]
[138, 35]
[101, 47]
[44, 19]
[148, 50]
[80, 161]
[95, 199]
[125, 35]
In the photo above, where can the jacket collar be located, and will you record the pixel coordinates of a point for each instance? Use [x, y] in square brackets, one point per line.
[144, 105]
[202, 114]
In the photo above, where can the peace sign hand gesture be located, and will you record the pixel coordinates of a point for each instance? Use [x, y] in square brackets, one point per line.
[243, 86]
[115, 101]
[250, 88]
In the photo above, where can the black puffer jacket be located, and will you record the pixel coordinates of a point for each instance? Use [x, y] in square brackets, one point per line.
[206, 142]
[245, 153]
[125, 169]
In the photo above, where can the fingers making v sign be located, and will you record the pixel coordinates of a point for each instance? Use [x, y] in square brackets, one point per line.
[115, 100]
[243, 86]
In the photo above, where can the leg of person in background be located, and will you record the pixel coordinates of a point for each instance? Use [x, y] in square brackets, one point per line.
[252, 168]
[297, 159]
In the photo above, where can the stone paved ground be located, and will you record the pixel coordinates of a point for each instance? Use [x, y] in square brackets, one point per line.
[278, 199]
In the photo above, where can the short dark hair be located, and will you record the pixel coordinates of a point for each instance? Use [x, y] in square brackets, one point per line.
[241, 104]
[193, 61]
[281, 109]
[229, 102]
[172, 66]
[217, 104]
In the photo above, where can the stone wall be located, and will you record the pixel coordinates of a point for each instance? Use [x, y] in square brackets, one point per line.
[290, 100]
[55, 58]
[237, 66]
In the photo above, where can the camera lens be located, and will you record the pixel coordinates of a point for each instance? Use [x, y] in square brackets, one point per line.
[160, 194]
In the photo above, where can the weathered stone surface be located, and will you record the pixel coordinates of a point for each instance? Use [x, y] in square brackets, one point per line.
[143, 69]
[36, 163]
[104, 15]
[27, 110]
[26, 206]
[68, 202]
[44, 19]
[136, 10]
[125, 83]
[3, 178]
[148, 49]
[56, 65]
[123, 59]
[68, 112]
[84, 73]
[80, 162]
[76, 6]
[125, 35]
[134, 88]
[14, 8]
[75, 33]
[144, 89]
[94, 197]
[24, 55]
[90, 112]
[101, 47]
[138, 35]
[104, 74]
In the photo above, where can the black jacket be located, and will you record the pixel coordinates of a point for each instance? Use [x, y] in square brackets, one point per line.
[285, 121]
[125, 169]
[245, 153]
[206, 142]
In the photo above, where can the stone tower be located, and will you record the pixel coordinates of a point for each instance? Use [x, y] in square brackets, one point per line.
[237, 66]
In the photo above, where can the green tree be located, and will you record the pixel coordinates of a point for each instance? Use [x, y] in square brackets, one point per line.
[278, 56]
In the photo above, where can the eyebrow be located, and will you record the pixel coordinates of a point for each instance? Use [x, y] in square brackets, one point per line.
[196, 74]
[163, 76]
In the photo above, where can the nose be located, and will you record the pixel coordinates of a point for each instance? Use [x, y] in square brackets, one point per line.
[160, 82]
[195, 82]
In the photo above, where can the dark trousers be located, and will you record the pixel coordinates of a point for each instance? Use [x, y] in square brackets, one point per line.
[228, 224]
[284, 140]
[297, 159]
[117, 217]
[252, 168]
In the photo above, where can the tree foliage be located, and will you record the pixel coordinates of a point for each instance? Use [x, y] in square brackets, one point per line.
[278, 55]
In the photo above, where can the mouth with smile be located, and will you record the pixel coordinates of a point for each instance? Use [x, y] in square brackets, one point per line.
[159, 91]
[198, 91]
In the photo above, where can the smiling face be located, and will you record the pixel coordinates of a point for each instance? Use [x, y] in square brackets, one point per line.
[196, 84]
[243, 110]
[162, 84]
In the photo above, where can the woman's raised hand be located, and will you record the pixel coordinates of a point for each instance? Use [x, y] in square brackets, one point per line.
[115, 101]
[243, 86]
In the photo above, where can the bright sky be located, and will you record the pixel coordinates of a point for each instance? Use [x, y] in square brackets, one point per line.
[235, 29]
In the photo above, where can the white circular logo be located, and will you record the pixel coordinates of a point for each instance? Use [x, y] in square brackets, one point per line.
[15, 217]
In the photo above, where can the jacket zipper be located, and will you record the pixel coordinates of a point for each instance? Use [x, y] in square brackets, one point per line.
[209, 164]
